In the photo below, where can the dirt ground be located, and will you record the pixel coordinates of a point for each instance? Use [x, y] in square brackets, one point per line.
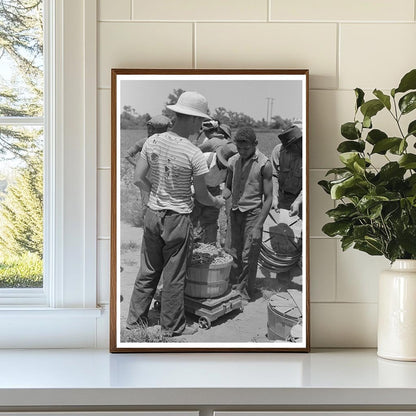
[249, 325]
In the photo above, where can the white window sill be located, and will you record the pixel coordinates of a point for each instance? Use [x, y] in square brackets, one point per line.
[331, 379]
[40, 327]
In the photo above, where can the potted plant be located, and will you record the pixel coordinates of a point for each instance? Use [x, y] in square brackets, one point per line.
[376, 206]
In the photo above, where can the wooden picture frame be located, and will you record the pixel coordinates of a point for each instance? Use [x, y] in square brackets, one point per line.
[273, 106]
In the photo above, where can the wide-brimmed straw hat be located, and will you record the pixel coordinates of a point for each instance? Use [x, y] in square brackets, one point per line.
[290, 135]
[191, 103]
[225, 152]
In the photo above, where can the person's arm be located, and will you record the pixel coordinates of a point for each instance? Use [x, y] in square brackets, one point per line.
[267, 203]
[203, 196]
[296, 207]
[140, 179]
[275, 178]
[226, 193]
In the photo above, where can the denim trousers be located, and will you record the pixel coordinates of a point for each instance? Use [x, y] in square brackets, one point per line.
[245, 250]
[166, 254]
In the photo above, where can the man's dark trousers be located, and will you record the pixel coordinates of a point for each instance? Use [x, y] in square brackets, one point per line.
[166, 254]
[245, 250]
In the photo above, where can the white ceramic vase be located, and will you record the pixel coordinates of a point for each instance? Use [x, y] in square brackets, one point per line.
[397, 312]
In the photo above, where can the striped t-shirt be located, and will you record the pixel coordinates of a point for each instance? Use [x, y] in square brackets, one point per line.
[173, 161]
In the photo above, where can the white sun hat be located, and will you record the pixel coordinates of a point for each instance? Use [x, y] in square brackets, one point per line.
[191, 103]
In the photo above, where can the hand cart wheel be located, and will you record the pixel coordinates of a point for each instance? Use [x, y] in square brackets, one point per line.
[204, 322]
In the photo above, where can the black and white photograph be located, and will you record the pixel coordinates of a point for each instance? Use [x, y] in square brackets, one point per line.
[209, 210]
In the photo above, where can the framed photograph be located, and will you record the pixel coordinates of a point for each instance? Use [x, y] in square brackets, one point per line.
[209, 211]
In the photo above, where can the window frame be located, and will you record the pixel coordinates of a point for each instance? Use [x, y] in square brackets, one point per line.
[29, 317]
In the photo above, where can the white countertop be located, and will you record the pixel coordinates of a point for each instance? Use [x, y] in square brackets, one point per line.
[96, 377]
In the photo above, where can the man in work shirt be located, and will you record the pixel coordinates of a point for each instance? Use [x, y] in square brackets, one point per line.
[249, 185]
[174, 164]
[157, 124]
[287, 171]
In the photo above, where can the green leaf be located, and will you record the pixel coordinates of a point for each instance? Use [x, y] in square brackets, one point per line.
[346, 242]
[399, 148]
[391, 170]
[348, 158]
[359, 95]
[408, 82]
[349, 146]
[393, 250]
[383, 145]
[367, 248]
[375, 211]
[325, 186]
[408, 161]
[367, 122]
[375, 135]
[338, 171]
[393, 92]
[407, 239]
[342, 211]
[408, 102]
[385, 99]
[336, 228]
[369, 201]
[411, 130]
[359, 166]
[371, 108]
[349, 131]
[361, 231]
[350, 186]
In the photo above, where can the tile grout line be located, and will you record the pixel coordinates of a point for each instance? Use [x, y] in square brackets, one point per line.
[338, 63]
[131, 9]
[269, 11]
[336, 271]
[227, 21]
[194, 62]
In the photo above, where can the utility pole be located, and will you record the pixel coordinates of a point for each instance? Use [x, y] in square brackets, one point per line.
[269, 111]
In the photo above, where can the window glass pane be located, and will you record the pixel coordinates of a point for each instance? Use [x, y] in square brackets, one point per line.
[21, 58]
[21, 143]
[21, 210]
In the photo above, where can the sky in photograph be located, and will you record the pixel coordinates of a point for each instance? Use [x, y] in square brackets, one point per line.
[249, 97]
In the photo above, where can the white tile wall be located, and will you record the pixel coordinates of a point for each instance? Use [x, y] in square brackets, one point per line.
[323, 269]
[387, 52]
[358, 10]
[104, 128]
[114, 10]
[345, 44]
[142, 45]
[271, 45]
[104, 202]
[200, 10]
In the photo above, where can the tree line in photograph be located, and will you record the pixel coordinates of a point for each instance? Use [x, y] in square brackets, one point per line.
[131, 120]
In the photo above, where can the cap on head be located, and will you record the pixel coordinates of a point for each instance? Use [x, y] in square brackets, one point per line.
[160, 122]
[191, 103]
[225, 129]
[209, 125]
[225, 152]
[290, 135]
[245, 134]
